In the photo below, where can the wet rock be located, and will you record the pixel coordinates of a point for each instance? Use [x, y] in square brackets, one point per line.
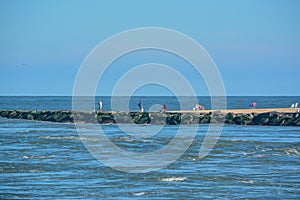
[242, 119]
[4, 113]
[140, 117]
[20, 114]
[88, 117]
[122, 118]
[217, 118]
[158, 118]
[30, 117]
[173, 118]
[288, 121]
[13, 114]
[229, 118]
[273, 119]
[78, 117]
[261, 119]
[62, 117]
[205, 119]
[196, 118]
[187, 118]
[49, 116]
[35, 114]
[270, 119]
[105, 118]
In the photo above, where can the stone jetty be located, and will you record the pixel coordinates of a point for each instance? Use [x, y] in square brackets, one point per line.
[270, 117]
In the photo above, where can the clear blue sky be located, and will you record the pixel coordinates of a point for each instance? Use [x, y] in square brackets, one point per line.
[255, 44]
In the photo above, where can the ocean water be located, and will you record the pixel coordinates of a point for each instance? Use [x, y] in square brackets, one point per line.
[149, 103]
[41, 160]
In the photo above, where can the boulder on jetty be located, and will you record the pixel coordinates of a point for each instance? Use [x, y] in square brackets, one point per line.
[157, 118]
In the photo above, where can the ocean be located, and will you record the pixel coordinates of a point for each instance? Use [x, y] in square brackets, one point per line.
[149, 103]
[42, 160]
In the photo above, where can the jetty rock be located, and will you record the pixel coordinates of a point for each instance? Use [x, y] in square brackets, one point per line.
[251, 117]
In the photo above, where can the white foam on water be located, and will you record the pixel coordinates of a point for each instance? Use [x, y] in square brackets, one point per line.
[66, 138]
[292, 151]
[247, 181]
[173, 179]
[139, 193]
[37, 157]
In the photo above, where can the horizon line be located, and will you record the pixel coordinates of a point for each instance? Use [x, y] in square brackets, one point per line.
[150, 96]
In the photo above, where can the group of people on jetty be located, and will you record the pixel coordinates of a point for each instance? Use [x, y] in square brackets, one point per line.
[294, 105]
[141, 108]
[196, 108]
[163, 109]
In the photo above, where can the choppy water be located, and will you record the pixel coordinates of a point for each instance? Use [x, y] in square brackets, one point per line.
[40, 160]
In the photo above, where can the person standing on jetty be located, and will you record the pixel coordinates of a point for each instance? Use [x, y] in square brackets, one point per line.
[253, 105]
[140, 104]
[100, 105]
[164, 108]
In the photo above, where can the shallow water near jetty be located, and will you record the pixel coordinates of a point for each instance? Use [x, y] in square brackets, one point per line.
[47, 160]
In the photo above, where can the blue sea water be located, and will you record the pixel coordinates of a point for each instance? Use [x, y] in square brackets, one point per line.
[173, 103]
[41, 160]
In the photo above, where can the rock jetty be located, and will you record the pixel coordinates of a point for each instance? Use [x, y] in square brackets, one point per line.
[169, 118]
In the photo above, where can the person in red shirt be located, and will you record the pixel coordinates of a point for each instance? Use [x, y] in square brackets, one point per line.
[253, 105]
[164, 108]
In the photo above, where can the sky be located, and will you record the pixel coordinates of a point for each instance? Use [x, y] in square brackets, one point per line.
[255, 44]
